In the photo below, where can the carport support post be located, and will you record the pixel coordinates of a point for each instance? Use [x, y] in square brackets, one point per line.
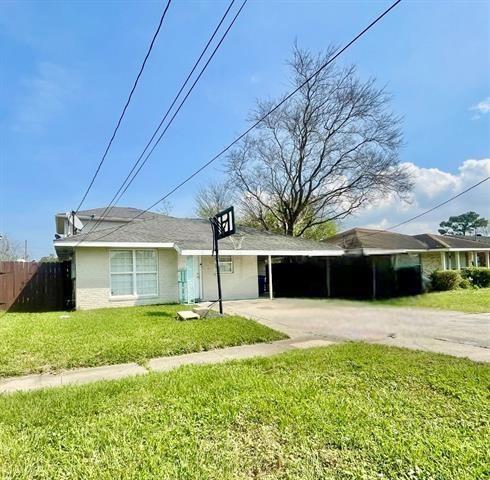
[269, 266]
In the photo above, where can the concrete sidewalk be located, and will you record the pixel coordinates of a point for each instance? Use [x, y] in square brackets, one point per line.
[161, 364]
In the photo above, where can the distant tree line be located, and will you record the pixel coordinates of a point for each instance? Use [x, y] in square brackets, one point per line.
[469, 223]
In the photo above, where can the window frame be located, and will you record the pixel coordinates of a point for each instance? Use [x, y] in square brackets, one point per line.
[134, 274]
[231, 262]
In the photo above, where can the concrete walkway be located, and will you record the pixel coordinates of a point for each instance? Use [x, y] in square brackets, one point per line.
[161, 364]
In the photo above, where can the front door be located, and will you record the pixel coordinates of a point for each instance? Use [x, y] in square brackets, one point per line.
[189, 281]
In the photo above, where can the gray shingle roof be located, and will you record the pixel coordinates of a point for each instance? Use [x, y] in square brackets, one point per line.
[369, 238]
[358, 238]
[448, 241]
[195, 234]
[116, 213]
[482, 239]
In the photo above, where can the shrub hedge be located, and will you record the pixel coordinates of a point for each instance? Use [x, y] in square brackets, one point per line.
[478, 276]
[465, 283]
[443, 280]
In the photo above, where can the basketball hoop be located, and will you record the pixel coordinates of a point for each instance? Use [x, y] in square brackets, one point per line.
[223, 225]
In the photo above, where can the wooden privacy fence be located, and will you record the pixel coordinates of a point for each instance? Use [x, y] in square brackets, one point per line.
[35, 287]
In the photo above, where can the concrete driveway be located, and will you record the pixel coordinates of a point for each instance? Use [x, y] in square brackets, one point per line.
[453, 333]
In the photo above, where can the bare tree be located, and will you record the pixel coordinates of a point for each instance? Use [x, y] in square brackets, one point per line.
[165, 207]
[9, 250]
[213, 198]
[328, 151]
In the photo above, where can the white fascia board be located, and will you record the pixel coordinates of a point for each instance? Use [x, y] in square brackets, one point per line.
[379, 251]
[276, 253]
[84, 244]
[454, 249]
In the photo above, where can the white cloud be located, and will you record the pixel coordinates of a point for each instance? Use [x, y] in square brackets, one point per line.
[481, 108]
[431, 187]
[43, 98]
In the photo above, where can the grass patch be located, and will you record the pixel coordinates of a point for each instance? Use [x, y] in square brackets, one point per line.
[351, 411]
[41, 342]
[469, 300]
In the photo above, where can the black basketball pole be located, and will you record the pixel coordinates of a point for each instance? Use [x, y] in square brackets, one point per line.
[218, 275]
[223, 225]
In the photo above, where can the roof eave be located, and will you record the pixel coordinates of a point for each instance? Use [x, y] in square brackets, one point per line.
[95, 244]
[390, 251]
[276, 253]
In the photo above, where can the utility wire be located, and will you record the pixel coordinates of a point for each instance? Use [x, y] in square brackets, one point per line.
[125, 185]
[409, 220]
[272, 110]
[185, 98]
[150, 48]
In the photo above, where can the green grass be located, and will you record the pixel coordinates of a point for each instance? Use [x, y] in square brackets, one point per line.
[469, 300]
[351, 411]
[42, 342]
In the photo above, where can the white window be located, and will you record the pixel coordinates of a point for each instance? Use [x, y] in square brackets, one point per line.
[134, 273]
[225, 264]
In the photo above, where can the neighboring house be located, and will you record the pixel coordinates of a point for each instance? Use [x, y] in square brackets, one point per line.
[431, 252]
[158, 258]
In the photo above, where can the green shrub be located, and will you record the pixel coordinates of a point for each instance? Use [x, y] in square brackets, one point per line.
[465, 283]
[443, 280]
[478, 276]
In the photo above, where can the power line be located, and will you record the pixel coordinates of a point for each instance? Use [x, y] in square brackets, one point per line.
[247, 131]
[124, 186]
[150, 48]
[430, 209]
[411, 219]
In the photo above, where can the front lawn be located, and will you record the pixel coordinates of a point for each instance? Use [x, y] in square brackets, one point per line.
[351, 411]
[464, 300]
[41, 342]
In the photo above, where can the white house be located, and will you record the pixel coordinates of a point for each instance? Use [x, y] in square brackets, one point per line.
[158, 258]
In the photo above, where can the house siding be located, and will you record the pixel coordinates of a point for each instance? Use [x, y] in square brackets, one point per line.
[430, 262]
[93, 280]
[241, 284]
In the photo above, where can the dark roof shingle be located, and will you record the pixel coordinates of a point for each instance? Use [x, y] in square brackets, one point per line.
[368, 238]
[116, 213]
[195, 234]
[448, 241]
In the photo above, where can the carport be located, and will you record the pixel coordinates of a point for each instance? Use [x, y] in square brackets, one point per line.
[348, 276]
[375, 276]
[294, 276]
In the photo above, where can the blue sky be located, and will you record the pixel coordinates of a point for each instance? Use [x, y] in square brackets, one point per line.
[67, 68]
